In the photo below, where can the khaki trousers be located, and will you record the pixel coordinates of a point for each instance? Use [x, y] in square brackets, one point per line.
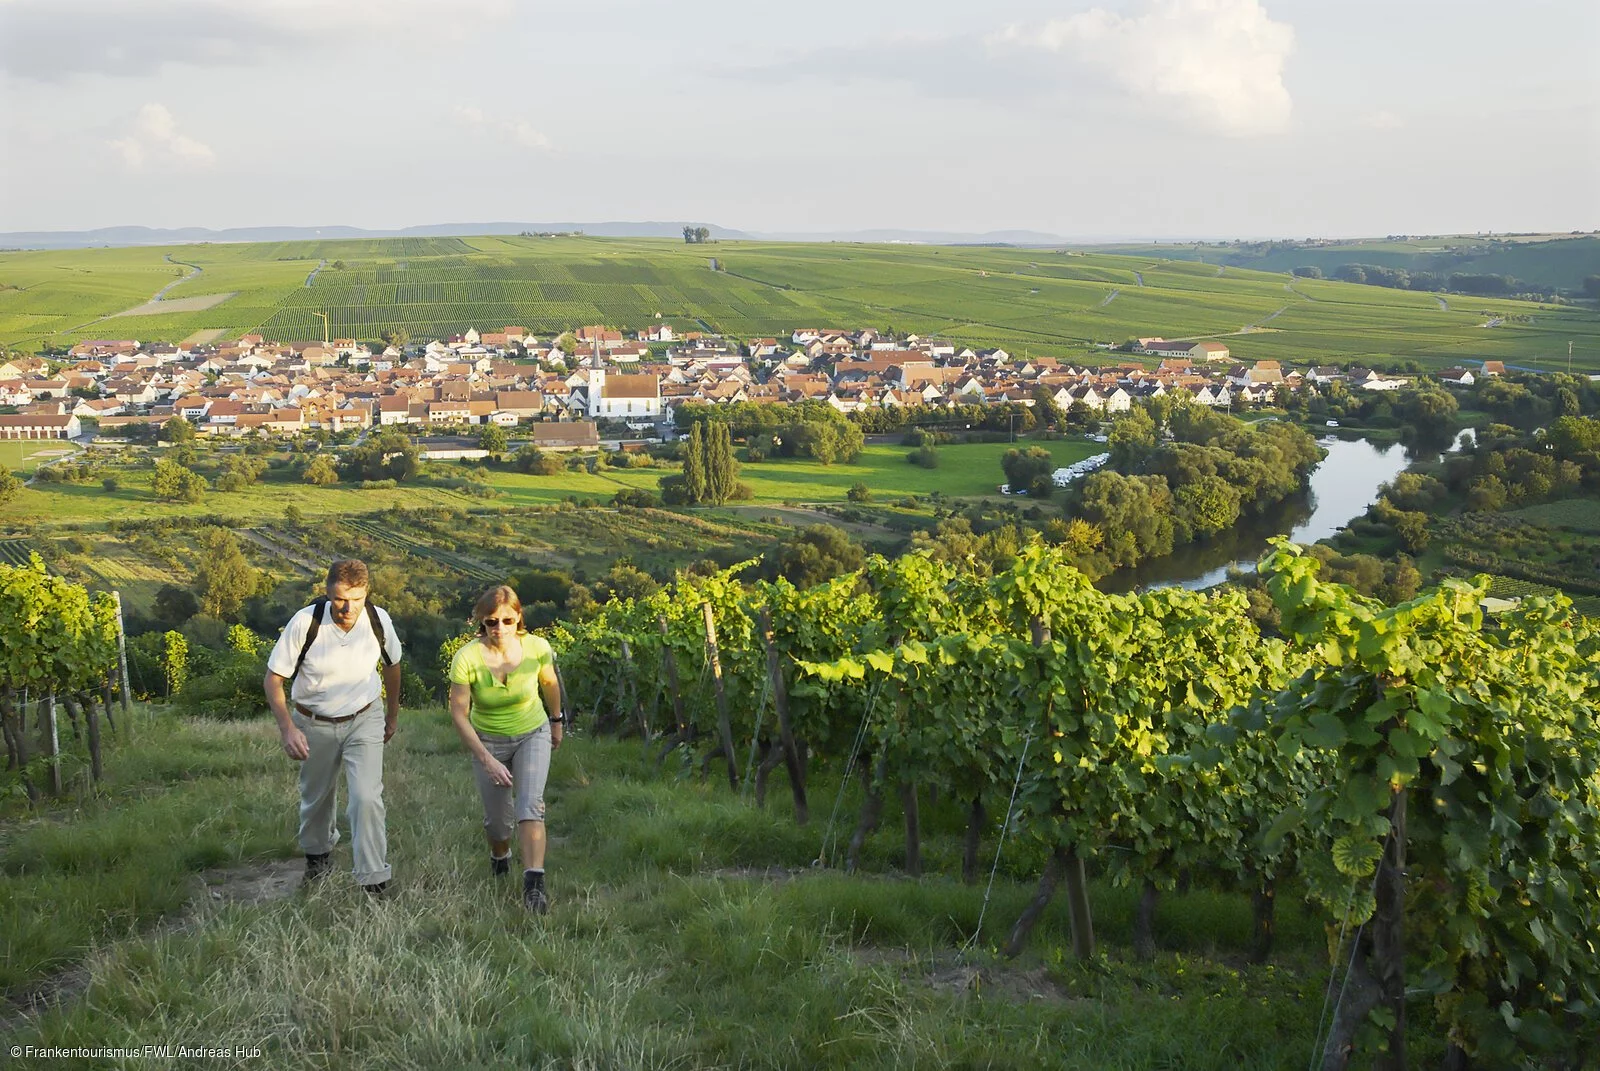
[357, 746]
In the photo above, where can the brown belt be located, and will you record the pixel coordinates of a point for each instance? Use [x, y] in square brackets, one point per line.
[314, 716]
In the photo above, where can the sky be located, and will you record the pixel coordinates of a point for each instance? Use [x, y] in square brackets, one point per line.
[1089, 119]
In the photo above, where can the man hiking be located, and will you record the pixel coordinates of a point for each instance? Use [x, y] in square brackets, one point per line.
[332, 650]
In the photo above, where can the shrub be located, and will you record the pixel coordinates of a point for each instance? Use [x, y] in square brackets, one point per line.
[377, 485]
[636, 497]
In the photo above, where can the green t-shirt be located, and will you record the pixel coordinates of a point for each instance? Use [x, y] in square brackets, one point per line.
[508, 709]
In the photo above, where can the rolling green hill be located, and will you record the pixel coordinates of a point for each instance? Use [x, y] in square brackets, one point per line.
[1052, 302]
[1542, 261]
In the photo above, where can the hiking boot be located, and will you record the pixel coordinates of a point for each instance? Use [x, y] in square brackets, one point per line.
[501, 866]
[378, 890]
[317, 868]
[533, 894]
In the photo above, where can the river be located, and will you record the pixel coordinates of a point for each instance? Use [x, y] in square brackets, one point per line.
[1342, 487]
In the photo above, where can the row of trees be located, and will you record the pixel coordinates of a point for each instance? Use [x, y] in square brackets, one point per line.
[710, 473]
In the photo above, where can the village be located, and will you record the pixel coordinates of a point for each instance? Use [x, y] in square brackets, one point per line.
[596, 376]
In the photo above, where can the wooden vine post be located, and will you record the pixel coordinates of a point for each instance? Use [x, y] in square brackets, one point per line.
[48, 716]
[672, 679]
[780, 700]
[1065, 865]
[122, 657]
[638, 708]
[724, 727]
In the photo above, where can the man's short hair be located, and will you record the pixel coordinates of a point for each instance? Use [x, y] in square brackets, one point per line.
[348, 572]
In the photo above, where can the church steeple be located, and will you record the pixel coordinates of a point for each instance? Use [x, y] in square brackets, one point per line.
[597, 380]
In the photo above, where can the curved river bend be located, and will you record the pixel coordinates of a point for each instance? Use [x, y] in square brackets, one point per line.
[1342, 487]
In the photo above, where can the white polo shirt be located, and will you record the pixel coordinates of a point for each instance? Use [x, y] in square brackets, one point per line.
[340, 673]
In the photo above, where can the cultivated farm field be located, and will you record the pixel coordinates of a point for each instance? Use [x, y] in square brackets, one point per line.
[1033, 301]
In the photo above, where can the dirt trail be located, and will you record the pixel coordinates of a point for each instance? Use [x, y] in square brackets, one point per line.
[257, 883]
[1109, 298]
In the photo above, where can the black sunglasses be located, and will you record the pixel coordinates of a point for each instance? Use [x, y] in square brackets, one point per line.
[499, 621]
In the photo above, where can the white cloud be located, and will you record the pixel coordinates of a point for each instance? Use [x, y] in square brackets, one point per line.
[153, 138]
[517, 131]
[1216, 62]
[1382, 120]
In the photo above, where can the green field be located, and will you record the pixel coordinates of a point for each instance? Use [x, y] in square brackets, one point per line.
[966, 470]
[1542, 260]
[1036, 301]
[25, 455]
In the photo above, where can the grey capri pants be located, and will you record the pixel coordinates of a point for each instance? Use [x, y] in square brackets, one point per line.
[528, 758]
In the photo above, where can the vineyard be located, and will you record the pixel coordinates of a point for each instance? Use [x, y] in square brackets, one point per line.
[1051, 301]
[458, 563]
[15, 551]
[1429, 778]
[58, 650]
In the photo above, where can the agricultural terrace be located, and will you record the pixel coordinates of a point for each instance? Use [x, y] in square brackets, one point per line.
[1047, 302]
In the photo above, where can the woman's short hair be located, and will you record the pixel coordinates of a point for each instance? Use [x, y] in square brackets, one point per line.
[491, 600]
[349, 572]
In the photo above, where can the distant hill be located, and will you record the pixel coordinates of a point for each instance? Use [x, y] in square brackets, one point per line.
[1554, 262]
[1030, 300]
[130, 236]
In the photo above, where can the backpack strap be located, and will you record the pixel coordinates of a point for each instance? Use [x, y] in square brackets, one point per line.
[317, 606]
[378, 631]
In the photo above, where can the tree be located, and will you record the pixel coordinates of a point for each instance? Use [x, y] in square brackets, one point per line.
[1431, 412]
[10, 484]
[722, 470]
[1029, 470]
[321, 472]
[1208, 505]
[1050, 412]
[493, 440]
[224, 579]
[177, 430]
[397, 337]
[624, 581]
[174, 483]
[859, 492]
[388, 455]
[1133, 434]
[240, 471]
[818, 553]
[535, 462]
[1591, 286]
[695, 478]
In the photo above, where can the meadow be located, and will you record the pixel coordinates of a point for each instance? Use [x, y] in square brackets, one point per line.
[25, 455]
[688, 928]
[1032, 301]
[966, 470]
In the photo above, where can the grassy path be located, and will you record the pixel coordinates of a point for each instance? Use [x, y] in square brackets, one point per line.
[688, 931]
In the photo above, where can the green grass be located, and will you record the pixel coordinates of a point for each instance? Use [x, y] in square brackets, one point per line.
[25, 455]
[965, 470]
[1036, 301]
[669, 943]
